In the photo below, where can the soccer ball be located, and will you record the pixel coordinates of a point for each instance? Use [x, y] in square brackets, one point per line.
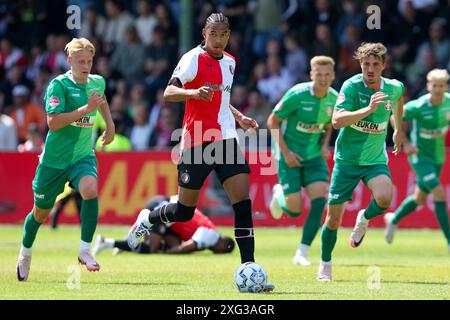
[250, 277]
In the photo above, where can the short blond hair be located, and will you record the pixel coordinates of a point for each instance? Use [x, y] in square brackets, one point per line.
[79, 44]
[321, 61]
[367, 49]
[438, 74]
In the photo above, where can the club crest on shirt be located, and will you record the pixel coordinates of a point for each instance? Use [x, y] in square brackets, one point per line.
[185, 177]
[53, 102]
[231, 70]
[340, 99]
[388, 105]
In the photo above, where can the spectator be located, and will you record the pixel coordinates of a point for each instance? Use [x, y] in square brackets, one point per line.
[347, 65]
[324, 13]
[352, 16]
[140, 133]
[411, 28]
[159, 105]
[128, 57]
[138, 96]
[93, 25]
[161, 137]
[119, 112]
[159, 59]
[25, 113]
[145, 22]
[11, 55]
[324, 44]
[111, 77]
[258, 108]
[243, 56]
[117, 23]
[120, 143]
[34, 142]
[37, 60]
[8, 133]
[167, 23]
[296, 58]
[438, 42]
[267, 19]
[55, 57]
[278, 80]
[238, 97]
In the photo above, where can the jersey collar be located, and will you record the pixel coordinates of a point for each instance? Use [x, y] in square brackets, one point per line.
[311, 91]
[381, 85]
[70, 76]
[204, 50]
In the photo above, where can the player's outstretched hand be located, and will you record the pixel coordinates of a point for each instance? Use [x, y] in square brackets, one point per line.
[108, 136]
[292, 159]
[398, 140]
[377, 99]
[247, 123]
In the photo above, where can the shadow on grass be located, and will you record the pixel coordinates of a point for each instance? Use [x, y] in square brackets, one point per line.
[377, 265]
[117, 283]
[397, 282]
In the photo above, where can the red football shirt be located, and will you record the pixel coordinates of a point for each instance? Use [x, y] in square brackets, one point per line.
[185, 230]
[207, 121]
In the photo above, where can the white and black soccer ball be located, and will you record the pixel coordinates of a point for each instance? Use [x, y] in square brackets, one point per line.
[250, 277]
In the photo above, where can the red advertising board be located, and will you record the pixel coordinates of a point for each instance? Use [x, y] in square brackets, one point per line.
[127, 180]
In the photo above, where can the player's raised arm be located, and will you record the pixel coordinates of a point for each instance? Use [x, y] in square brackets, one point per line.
[58, 121]
[343, 118]
[174, 92]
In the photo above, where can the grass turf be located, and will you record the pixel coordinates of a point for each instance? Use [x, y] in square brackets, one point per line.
[415, 266]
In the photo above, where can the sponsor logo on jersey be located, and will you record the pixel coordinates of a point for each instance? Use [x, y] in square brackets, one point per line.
[85, 121]
[340, 99]
[429, 177]
[309, 127]
[370, 127]
[39, 196]
[433, 134]
[215, 87]
[334, 196]
[53, 102]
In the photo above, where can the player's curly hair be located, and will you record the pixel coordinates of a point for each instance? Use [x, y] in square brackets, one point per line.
[367, 49]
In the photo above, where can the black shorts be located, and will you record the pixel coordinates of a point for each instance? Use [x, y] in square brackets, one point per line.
[224, 157]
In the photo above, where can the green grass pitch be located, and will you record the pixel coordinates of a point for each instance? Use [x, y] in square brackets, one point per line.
[415, 266]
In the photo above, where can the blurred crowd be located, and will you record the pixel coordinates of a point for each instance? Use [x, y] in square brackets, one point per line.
[137, 50]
